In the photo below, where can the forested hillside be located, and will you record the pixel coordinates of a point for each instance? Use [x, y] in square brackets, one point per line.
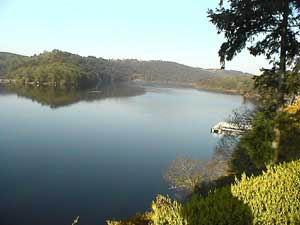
[9, 61]
[58, 68]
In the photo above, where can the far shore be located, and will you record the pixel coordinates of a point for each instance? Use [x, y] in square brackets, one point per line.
[249, 96]
[166, 84]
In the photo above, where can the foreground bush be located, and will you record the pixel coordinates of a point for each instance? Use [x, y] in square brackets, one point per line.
[218, 208]
[165, 211]
[274, 197]
[289, 124]
[139, 219]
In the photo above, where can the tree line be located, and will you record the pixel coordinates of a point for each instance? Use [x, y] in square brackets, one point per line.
[58, 68]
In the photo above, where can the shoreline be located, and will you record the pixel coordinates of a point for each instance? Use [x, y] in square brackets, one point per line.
[194, 86]
[156, 83]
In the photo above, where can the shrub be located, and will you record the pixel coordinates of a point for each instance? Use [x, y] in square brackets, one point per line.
[139, 219]
[294, 108]
[218, 208]
[289, 125]
[273, 197]
[166, 212]
[257, 143]
[185, 174]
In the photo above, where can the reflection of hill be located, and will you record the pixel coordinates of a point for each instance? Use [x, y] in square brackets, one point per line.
[4, 90]
[55, 98]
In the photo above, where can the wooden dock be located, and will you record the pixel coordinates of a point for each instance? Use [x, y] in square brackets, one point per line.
[36, 83]
[7, 81]
[229, 128]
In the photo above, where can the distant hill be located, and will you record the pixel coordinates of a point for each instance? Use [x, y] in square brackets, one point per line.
[10, 61]
[171, 71]
[228, 81]
[63, 68]
[56, 68]
[221, 72]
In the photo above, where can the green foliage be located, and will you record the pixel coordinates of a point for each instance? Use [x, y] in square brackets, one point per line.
[266, 25]
[9, 61]
[218, 208]
[229, 83]
[257, 143]
[166, 212]
[275, 88]
[269, 87]
[270, 28]
[55, 69]
[241, 162]
[139, 219]
[255, 150]
[174, 73]
[61, 74]
[289, 125]
[273, 197]
[292, 82]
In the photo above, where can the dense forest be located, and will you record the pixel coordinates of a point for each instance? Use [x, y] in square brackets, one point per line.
[58, 68]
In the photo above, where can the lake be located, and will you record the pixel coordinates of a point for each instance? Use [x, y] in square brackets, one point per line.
[98, 155]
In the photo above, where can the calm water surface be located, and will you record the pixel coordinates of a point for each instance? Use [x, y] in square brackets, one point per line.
[98, 157]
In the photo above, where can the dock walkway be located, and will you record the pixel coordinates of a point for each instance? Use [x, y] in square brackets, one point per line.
[6, 81]
[228, 128]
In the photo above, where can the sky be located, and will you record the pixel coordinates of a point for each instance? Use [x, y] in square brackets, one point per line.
[169, 30]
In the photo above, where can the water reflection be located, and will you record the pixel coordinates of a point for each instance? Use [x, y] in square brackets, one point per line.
[59, 97]
[99, 159]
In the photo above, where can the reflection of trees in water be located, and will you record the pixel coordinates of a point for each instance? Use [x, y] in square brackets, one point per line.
[185, 174]
[59, 97]
[4, 90]
[203, 176]
[53, 97]
[189, 175]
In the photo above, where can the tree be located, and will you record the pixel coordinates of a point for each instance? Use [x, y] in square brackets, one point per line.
[242, 118]
[265, 27]
[270, 26]
[185, 174]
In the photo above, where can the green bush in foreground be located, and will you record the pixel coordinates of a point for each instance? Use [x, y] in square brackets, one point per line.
[165, 211]
[273, 197]
[218, 208]
[139, 219]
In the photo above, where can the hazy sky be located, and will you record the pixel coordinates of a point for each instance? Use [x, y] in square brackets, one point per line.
[172, 30]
